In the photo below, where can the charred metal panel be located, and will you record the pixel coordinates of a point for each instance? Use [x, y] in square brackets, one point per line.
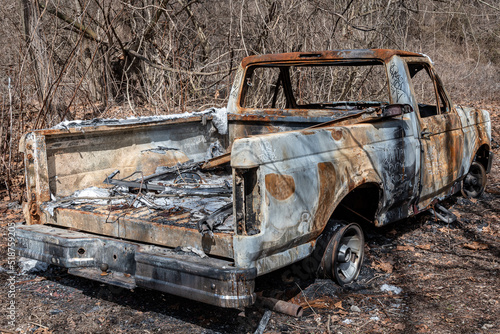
[208, 280]
[61, 161]
[327, 179]
[239, 201]
[399, 83]
[80, 160]
[322, 56]
[447, 141]
[284, 258]
[247, 201]
[37, 176]
[476, 126]
[442, 155]
[325, 164]
[142, 225]
[130, 264]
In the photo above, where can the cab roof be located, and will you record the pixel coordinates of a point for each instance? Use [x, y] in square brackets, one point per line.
[325, 56]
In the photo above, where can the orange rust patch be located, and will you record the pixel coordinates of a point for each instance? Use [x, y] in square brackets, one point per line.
[280, 186]
[327, 179]
[308, 132]
[337, 134]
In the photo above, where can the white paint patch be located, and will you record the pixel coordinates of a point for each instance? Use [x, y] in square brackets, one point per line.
[394, 289]
[31, 266]
[93, 192]
[219, 120]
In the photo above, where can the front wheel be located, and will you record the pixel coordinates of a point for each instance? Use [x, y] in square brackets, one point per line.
[343, 255]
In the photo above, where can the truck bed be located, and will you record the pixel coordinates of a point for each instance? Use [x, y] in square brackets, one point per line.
[169, 210]
[75, 172]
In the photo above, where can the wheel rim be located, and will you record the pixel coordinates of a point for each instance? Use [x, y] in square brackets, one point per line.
[475, 181]
[348, 255]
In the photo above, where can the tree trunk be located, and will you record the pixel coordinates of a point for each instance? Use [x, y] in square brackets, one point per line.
[40, 61]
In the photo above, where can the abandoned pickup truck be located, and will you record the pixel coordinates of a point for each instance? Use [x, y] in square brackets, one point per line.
[310, 147]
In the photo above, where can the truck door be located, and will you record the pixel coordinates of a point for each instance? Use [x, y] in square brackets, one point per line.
[441, 137]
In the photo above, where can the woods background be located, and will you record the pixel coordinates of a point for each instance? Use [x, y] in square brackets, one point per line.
[66, 59]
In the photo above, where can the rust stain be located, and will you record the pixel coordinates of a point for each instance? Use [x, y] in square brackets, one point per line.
[280, 186]
[337, 134]
[308, 132]
[322, 56]
[327, 179]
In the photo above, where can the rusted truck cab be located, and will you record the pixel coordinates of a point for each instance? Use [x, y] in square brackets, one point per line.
[316, 143]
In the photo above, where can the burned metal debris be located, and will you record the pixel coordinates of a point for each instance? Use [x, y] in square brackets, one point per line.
[185, 184]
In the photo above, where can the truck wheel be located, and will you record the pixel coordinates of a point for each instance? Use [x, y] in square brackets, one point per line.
[343, 255]
[475, 181]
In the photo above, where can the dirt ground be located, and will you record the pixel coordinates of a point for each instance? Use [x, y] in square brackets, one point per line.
[419, 276]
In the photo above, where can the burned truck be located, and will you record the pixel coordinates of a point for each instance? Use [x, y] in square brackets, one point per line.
[311, 147]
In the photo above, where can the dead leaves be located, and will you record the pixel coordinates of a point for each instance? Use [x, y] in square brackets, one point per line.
[399, 326]
[385, 266]
[339, 309]
[422, 328]
[405, 248]
[412, 248]
[476, 245]
[320, 303]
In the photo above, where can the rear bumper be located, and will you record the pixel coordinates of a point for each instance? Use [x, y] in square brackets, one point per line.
[130, 264]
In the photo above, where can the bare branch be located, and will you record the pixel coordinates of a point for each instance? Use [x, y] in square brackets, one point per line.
[88, 33]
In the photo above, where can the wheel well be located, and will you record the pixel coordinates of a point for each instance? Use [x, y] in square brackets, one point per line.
[360, 205]
[483, 155]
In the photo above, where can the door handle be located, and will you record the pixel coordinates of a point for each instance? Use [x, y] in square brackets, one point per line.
[426, 134]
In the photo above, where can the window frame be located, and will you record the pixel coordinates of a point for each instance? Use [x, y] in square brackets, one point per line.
[440, 95]
[287, 84]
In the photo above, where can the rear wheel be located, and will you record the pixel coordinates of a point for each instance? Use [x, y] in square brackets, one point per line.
[475, 181]
[343, 256]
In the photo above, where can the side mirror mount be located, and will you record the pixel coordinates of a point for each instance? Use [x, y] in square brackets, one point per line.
[396, 110]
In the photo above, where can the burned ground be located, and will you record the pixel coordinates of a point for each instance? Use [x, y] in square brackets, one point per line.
[420, 276]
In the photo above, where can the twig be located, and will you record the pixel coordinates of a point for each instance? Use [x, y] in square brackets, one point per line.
[306, 298]
[487, 4]
[38, 279]
[383, 308]
[374, 277]
[366, 323]
[301, 327]
[39, 325]
[241, 28]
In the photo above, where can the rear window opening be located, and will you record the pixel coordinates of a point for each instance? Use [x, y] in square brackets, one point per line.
[339, 86]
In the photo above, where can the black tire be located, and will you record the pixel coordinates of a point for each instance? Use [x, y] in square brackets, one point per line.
[343, 256]
[474, 182]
